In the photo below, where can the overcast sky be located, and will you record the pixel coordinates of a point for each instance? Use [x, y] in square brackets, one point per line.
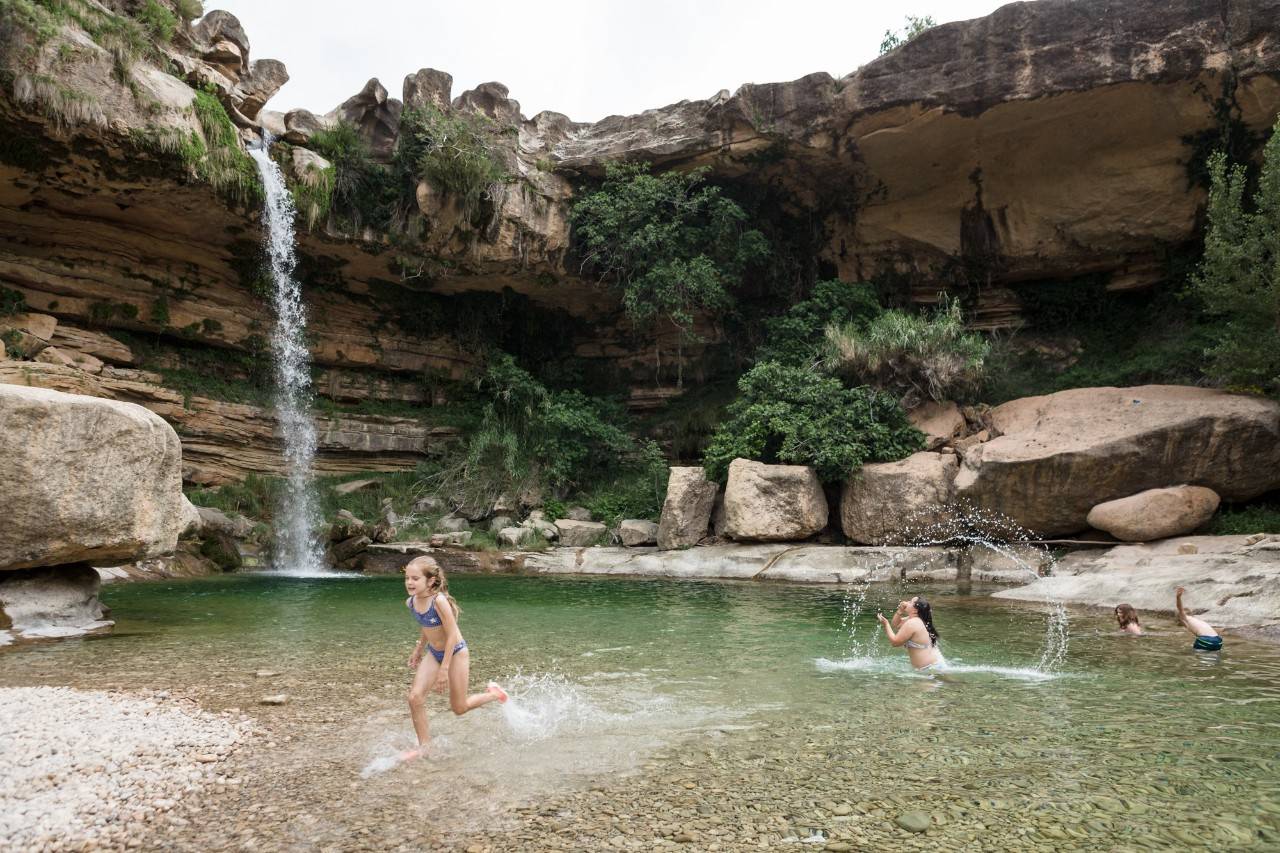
[585, 58]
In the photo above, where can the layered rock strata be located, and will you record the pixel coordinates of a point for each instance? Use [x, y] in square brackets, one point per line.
[223, 442]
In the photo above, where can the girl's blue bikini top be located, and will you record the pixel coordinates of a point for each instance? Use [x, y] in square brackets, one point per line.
[430, 619]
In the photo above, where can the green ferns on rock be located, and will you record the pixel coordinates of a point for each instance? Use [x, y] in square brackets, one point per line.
[451, 152]
[213, 156]
[916, 357]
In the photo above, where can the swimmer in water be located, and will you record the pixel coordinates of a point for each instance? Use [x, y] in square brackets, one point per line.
[1127, 619]
[912, 626]
[446, 666]
[1207, 639]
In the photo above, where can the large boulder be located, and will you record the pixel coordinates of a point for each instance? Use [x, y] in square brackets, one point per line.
[264, 79]
[427, 88]
[85, 479]
[1155, 513]
[635, 532]
[580, 534]
[686, 512]
[773, 503]
[374, 115]
[896, 503]
[940, 422]
[1058, 456]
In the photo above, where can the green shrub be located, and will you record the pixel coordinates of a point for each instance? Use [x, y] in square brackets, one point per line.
[912, 356]
[797, 336]
[532, 439]
[254, 497]
[1261, 516]
[797, 416]
[11, 302]
[362, 192]
[451, 152]
[914, 27]
[671, 245]
[226, 167]
[189, 10]
[159, 21]
[1239, 277]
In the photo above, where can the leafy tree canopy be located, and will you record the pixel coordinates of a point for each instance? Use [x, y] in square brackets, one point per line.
[670, 243]
[1239, 278]
[798, 416]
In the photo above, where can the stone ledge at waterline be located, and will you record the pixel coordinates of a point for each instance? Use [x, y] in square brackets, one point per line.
[1231, 581]
[792, 563]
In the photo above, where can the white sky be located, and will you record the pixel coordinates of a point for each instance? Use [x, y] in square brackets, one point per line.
[587, 59]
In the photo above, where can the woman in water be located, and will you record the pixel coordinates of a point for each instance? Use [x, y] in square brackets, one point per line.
[447, 666]
[1127, 619]
[912, 627]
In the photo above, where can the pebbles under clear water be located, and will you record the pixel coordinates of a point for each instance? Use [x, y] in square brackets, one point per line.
[706, 715]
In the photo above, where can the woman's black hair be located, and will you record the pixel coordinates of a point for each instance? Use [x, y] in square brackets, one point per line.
[925, 612]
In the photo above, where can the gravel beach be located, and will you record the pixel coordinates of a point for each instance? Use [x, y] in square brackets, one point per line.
[87, 766]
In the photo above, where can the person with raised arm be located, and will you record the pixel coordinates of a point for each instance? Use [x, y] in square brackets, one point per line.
[912, 626]
[1207, 639]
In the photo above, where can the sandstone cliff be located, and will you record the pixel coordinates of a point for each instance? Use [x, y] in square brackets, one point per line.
[1041, 142]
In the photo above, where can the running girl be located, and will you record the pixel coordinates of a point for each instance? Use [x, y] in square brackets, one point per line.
[447, 665]
[912, 627]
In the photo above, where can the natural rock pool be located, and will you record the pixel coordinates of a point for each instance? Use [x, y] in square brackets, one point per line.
[720, 715]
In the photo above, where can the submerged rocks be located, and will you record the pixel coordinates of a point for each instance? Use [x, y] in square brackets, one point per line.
[1155, 513]
[773, 503]
[85, 480]
[894, 503]
[686, 512]
[1060, 455]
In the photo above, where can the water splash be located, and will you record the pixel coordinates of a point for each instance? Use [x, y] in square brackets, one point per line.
[297, 550]
[963, 524]
[545, 705]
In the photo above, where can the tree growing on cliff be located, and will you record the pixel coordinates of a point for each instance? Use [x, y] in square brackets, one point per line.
[915, 26]
[671, 244]
[1239, 278]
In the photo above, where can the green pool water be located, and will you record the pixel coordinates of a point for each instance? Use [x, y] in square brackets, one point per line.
[748, 715]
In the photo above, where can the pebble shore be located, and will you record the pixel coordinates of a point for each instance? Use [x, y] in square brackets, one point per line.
[88, 769]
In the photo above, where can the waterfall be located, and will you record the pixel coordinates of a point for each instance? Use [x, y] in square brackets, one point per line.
[297, 550]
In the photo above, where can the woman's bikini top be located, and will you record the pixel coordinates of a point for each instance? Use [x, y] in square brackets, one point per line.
[912, 644]
[430, 619]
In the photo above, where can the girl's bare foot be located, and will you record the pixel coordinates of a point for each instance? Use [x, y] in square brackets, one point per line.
[497, 690]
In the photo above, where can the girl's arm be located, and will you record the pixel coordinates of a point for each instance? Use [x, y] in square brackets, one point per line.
[899, 637]
[449, 621]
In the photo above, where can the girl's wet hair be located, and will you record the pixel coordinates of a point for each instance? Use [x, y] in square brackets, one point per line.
[432, 570]
[925, 612]
[1126, 615]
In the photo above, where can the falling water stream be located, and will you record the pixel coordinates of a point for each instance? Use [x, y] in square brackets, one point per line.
[297, 551]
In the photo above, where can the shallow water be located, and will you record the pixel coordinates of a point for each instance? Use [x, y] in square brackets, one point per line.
[743, 714]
